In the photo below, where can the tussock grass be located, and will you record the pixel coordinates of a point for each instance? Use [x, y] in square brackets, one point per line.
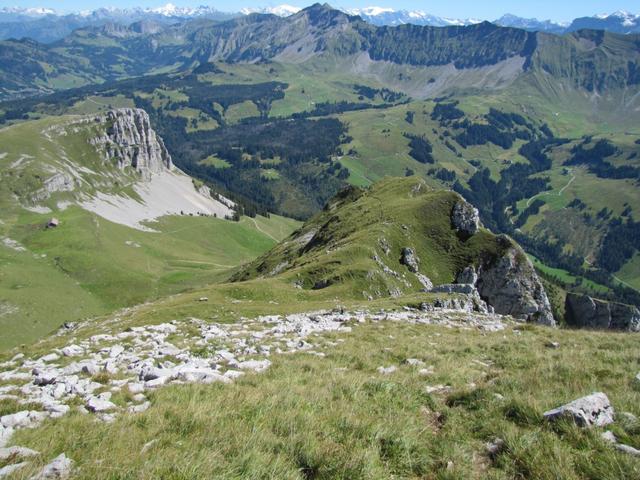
[337, 417]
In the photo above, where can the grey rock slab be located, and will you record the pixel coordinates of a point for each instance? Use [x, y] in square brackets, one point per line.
[139, 408]
[201, 376]
[72, 351]
[96, 405]
[16, 452]
[139, 397]
[256, 365]
[45, 377]
[51, 357]
[627, 449]
[136, 388]
[116, 351]
[592, 410]
[414, 362]
[14, 375]
[22, 419]
[5, 435]
[233, 374]
[9, 469]
[59, 468]
[437, 388]
[387, 370]
[157, 382]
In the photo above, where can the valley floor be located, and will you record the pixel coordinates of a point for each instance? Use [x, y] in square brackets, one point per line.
[388, 392]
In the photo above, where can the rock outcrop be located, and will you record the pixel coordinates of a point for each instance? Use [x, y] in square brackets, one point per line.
[586, 312]
[511, 286]
[410, 259]
[592, 410]
[130, 140]
[465, 218]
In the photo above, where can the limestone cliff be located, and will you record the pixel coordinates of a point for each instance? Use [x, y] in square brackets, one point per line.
[586, 312]
[129, 139]
[511, 286]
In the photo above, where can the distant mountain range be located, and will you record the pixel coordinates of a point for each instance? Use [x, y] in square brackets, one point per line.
[47, 25]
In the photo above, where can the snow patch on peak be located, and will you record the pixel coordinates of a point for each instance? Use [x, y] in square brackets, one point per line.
[283, 10]
[372, 11]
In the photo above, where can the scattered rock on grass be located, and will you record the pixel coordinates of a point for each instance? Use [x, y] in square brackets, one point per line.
[9, 469]
[59, 468]
[495, 447]
[16, 452]
[387, 370]
[592, 410]
[627, 449]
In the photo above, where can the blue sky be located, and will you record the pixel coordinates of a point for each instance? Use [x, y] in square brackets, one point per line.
[487, 9]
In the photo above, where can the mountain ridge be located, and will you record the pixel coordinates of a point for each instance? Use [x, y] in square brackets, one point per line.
[89, 55]
[48, 25]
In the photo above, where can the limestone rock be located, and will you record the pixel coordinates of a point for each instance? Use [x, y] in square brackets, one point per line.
[414, 362]
[96, 405]
[5, 435]
[9, 469]
[16, 452]
[511, 286]
[495, 447]
[466, 289]
[256, 365]
[59, 468]
[465, 218]
[132, 142]
[387, 370]
[468, 276]
[627, 449]
[23, 419]
[592, 410]
[410, 259]
[139, 408]
[586, 312]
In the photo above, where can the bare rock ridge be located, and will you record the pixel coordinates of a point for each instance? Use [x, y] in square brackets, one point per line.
[130, 140]
[584, 311]
[512, 287]
[509, 284]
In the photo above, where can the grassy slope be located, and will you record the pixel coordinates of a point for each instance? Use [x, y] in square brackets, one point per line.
[337, 417]
[338, 245]
[89, 266]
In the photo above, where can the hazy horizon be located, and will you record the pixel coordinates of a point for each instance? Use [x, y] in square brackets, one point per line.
[542, 9]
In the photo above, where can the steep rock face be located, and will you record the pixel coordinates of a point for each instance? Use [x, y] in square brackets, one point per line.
[586, 312]
[130, 140]
[465, 218]
[511, 285]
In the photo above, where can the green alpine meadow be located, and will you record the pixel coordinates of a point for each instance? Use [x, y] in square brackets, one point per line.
[308, 242]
